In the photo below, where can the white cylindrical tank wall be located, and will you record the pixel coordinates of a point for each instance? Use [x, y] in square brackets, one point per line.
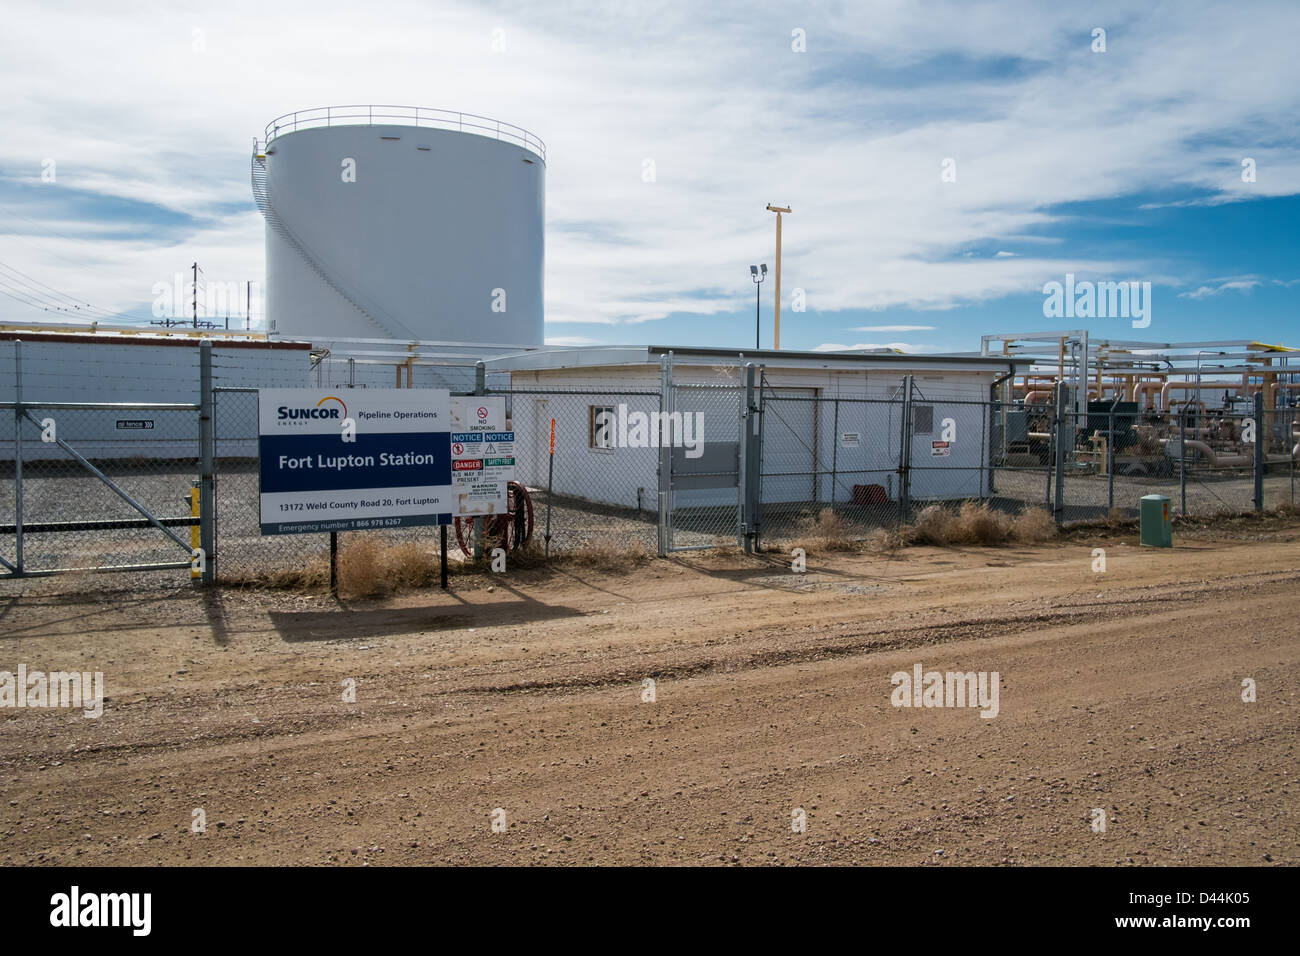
[398, 229]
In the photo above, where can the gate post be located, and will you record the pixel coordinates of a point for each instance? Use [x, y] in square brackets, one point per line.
[905, 454]
[1259, 449]
[18, 457]
[1059, 435]
[665, 458]
[756, 436]
[207, 457]
[748, 461]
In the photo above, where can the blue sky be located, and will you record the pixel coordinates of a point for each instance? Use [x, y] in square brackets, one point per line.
[1122, 165]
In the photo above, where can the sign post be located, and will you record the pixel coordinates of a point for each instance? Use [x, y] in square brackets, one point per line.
[334, 564]
[442, 560]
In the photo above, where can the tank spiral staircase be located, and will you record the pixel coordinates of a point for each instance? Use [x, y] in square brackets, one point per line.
[384, 324]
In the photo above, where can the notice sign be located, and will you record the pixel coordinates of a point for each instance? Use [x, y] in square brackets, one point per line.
[940, 448]
[482, 455]
[850, 439]
[353, 459]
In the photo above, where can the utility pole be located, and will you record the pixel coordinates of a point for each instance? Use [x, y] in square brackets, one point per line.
[194, 303]
[248, 305]
[776, 338]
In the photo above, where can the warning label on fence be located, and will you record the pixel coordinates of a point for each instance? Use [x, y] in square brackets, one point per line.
[851, 440]
[482, 454]
[940, 448]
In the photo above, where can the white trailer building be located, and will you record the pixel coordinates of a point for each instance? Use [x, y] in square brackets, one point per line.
[832, 420]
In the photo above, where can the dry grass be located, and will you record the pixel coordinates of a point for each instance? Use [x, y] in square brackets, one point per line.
[973, 523]
[369, 567]
[977, 523]
[889, 540]
[826, 532]
[610, 553]
[1034, 525]
[934, 525]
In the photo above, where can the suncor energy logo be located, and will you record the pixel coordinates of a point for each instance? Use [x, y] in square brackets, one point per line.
[285, 413]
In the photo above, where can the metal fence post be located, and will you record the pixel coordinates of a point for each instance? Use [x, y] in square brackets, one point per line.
[1259, 450]
[1110, 459]
[1182, 459]
[1288, 438]
[749, 457]
[665, 461]
[905, 454]
[756, 437]
[18, 457]
[1059, 432]
[207, 457]
[835, 455]
[742, 466]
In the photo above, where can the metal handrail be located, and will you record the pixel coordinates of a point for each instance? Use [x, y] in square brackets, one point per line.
[409, 116]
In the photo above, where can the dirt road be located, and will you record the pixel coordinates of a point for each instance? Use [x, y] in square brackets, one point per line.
[1119, 692]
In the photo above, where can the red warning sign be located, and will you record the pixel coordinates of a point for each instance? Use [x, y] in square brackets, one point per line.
[467, 464]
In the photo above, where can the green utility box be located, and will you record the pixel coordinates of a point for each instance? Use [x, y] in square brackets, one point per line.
[1155, 522]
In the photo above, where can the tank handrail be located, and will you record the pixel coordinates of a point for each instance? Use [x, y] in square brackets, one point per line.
[367, 115]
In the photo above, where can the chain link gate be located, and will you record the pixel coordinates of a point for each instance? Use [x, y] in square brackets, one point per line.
[700, 436]
[830, 464]
[98, 486]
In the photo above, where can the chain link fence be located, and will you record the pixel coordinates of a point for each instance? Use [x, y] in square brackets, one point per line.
[705, 462]
[848, 466]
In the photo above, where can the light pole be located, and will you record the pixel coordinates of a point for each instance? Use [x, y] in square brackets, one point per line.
[776, 336]
[758, 282]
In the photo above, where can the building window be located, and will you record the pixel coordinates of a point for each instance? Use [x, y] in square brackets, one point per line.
[602, 421]
[922, 419]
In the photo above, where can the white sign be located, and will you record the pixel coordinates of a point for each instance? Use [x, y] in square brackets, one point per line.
[353, 459]
[851, 440]
[482, 454]
[940, 448]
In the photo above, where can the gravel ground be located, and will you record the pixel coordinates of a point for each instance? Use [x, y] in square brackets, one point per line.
[1119, 691]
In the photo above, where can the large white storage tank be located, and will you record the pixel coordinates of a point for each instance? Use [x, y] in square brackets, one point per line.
[404, 223]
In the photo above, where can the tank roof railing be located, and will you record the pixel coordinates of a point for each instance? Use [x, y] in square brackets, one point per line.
[404, 116]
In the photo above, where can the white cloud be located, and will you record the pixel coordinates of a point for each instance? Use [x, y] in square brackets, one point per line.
[893, 328]
[1234, 285]
[731, 117]
[900, 346]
